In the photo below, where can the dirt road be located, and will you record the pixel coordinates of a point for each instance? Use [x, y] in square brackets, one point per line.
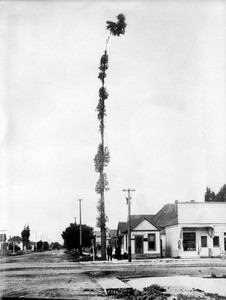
[53, 274]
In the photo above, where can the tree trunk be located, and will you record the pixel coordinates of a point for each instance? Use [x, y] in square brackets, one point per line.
[103, 225]
[103, 243]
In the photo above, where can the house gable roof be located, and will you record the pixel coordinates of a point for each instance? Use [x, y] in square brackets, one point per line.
[145, 225]
[138, 219]
[122, 227]
[135, 221]
[167, 216]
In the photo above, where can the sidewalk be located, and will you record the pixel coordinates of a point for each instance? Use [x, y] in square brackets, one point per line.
[155, 261]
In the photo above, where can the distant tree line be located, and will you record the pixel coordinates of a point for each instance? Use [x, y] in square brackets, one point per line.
[210, 196]
[55, 246]
[42, 246]
[22, 243]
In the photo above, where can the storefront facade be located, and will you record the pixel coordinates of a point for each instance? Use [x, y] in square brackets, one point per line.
[200, 231]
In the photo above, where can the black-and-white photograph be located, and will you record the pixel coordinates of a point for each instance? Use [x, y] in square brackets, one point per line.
[113, 149]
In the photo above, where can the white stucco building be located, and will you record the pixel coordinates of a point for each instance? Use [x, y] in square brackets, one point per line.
[192, 229]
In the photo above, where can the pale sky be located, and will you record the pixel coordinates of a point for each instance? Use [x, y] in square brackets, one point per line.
[165, 125]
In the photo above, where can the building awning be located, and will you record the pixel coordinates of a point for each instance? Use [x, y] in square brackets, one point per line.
[209, 228]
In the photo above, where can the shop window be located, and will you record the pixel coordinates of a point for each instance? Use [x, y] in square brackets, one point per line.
[203, 241]
[151, 242]
[216, 242]
[189, 241]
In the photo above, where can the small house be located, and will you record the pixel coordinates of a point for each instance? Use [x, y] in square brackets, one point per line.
[145, 237]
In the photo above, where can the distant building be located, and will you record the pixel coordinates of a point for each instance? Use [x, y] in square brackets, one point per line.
[2, 237]
[97, 236]
[111, 237]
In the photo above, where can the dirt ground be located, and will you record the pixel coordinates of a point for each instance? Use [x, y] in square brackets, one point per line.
[54, 274]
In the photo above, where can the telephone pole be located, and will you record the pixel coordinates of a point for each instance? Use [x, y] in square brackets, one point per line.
[129, 221]
[80, 227]
[43, 242]
[36, 249]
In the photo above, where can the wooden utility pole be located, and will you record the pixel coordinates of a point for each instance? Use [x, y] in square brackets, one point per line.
[43, 242]
[129, 221]
[36, 242]
[80, 227]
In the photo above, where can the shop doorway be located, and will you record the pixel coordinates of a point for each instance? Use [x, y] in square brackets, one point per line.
[189, 241]
[139, 248]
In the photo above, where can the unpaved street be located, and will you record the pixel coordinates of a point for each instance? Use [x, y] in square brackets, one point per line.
[54, 274]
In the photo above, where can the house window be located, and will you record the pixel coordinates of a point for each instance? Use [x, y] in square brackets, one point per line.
[203, 241]
[189, 241]
[216, 242]
[151, 242]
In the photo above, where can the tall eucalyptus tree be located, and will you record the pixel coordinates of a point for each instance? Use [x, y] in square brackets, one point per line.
[102, 156]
